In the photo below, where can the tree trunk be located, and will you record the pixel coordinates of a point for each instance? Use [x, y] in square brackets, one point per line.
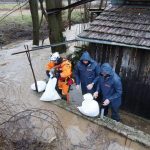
[101, 4]
[35, 20]
[69, 14]
[55, 26]
[86, 15]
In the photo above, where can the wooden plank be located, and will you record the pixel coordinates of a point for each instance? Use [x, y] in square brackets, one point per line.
[46, 46]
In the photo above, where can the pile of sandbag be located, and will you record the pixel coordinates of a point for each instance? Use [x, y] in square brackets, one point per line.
[50, 93]
[89, 106]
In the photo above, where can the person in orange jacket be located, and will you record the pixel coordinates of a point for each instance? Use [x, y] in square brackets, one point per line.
[62, 69]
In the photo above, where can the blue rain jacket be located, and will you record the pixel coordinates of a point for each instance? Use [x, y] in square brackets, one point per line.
[110, 87]
[85, 74]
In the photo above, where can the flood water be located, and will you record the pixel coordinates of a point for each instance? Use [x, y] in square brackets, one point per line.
[15, 81]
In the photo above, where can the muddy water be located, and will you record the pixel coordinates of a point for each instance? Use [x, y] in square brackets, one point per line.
[15, 81]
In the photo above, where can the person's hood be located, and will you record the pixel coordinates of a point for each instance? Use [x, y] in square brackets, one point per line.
[106, 68]
[86, 56]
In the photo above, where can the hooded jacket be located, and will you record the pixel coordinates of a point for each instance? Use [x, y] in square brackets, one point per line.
[65, 67]
[111, 86]
[85, 74]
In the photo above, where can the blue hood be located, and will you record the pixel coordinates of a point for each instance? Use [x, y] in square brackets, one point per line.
[86, 56]
[106, 68]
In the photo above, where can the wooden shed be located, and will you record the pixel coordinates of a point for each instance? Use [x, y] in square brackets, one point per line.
[120, 35]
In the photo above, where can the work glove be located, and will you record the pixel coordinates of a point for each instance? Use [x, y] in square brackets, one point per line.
[47, 72]
[51, 73]
[52, 70]
[57, 74]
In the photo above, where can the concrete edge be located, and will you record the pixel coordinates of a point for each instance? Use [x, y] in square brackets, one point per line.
[129, 132]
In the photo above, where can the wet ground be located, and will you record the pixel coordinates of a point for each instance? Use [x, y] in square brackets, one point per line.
[16, 78]
[15, 81]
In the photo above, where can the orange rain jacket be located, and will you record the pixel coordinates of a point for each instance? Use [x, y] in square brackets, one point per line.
[66, 71]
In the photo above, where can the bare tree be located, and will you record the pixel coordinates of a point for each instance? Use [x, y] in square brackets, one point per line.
[86, 14]
[35, 20]
[69, 14]
[101, 4]
[55, 25]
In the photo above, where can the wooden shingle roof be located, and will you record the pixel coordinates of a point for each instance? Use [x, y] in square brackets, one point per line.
[124, 25]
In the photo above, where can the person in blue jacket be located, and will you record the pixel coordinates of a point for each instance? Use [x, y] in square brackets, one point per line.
[110, 89]
[85, 72]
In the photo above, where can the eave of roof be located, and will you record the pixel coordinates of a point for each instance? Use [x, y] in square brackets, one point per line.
[124, 26]
[111, 43]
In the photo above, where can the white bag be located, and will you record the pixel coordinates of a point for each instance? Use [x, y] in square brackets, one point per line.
[50, 93]
[41, 86]
[89, 106]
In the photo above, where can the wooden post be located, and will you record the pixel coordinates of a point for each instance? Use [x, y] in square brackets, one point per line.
[29, 59]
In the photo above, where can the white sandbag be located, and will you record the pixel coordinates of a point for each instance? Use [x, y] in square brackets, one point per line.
[89, 106]
[50, 93]
[41, 86]
[88, 96]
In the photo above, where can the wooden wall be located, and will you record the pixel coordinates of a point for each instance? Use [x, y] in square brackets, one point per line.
[133, 66]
